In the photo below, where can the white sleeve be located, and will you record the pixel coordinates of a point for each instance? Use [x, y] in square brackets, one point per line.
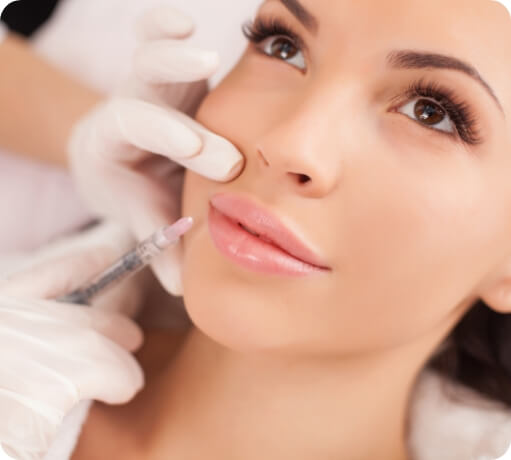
[3, 31]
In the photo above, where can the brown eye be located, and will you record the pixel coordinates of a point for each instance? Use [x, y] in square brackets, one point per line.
[282, 48]
[429, 112]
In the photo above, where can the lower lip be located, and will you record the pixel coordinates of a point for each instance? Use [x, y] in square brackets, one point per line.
[251, 252]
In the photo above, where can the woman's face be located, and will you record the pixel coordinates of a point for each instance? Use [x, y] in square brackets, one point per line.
[407, 200]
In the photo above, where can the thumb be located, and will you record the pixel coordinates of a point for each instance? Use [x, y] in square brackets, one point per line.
[167, 265]
[167, 268]
[56, 277]
[162, 22]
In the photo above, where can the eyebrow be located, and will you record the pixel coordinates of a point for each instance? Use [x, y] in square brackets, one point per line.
[308, 20]
[410, 59]
[403, 59]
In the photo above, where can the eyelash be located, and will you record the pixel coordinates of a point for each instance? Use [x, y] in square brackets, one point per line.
[260, 29]
[459, 111]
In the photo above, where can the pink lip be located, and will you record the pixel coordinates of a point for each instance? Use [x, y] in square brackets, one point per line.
[276, 250]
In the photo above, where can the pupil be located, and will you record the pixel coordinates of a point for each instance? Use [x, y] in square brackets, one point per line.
[283, 48]
[429, 112]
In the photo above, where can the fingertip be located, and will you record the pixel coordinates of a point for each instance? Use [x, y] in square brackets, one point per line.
[210, 59]
[164, 61]
[123, 385]
[133, 336]
[164, 22]
[136, 341]
[167, 269]
[236, 170]
[154, 129]
[218, 160]
[119, 329]
[175, 287]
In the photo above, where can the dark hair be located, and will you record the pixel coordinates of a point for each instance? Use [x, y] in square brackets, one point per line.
[477, 353]
[25, 16]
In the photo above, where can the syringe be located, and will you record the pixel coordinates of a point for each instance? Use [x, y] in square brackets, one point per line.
[130, 263]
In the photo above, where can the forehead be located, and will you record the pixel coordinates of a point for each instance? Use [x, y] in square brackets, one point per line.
[476, 31]
[475, 25]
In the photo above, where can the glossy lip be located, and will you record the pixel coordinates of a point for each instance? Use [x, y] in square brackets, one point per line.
[266, 225]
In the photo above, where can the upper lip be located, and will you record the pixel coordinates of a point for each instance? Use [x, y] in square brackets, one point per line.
[265, 224]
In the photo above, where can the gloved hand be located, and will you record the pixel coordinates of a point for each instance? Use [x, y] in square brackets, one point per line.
[53, 355]
[127, 155]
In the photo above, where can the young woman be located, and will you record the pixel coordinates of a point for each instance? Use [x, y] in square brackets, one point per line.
[378, 157]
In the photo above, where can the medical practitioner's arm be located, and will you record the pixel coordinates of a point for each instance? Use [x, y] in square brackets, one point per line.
[39, 103]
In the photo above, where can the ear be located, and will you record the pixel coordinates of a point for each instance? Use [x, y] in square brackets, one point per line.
[496, 292]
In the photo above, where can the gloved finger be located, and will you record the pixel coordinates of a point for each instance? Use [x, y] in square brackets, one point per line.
[149, 213]
[185, 97]
[155, 207]
[84, 363]
[118, 328]
[112, 375]
[18, 452]
[70, 358]
[33, 389]
[28, 317]
[168, 61]
[218, 159]
[31, 433]
[170, 133]
[167, 265]
[52, 278]
[123, 123]
[163, 131]
[163, 22]
[167, 269]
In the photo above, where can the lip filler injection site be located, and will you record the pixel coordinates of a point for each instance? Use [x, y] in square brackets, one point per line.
[368, 236]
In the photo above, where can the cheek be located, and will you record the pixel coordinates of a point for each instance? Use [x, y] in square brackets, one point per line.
[215, 111]
[252, 98]
[416, 246]
[413, 234]
[220, 110]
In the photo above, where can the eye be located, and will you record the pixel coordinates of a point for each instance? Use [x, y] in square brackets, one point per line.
[430, 114]
[283, 48]
[274, 38]
[441, 109]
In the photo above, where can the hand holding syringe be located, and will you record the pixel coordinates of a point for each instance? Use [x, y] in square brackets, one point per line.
[130, 263]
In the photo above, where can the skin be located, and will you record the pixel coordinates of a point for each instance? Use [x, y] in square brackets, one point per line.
[54, 99]
[416, 227]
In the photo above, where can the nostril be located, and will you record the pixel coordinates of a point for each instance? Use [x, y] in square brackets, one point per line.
[302, 178]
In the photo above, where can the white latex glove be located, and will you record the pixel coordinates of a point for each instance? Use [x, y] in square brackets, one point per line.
[53, 355]
[127, 155]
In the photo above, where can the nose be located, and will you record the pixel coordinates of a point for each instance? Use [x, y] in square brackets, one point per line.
[298, 152]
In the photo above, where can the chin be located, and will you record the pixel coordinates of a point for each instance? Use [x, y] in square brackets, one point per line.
[222, 304]
[224, 301]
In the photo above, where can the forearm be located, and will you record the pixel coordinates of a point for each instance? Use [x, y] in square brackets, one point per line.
[39, 103]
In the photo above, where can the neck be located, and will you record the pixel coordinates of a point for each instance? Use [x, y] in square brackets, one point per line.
[238, 405]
